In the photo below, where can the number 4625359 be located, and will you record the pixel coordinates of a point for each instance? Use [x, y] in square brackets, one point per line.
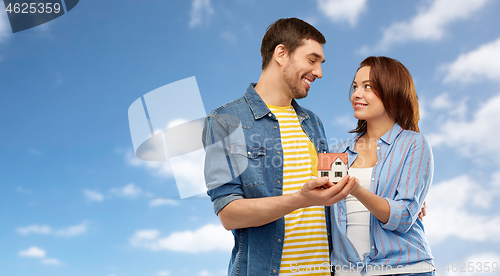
[34, 8]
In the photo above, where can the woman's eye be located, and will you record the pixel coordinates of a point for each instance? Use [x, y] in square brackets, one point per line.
[368, 87]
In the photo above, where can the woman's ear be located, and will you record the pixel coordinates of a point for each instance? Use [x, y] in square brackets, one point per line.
[280, 54]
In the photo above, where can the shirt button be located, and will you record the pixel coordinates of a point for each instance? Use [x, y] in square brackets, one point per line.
[279, 152]
[378, 147]
[279, 181]
[275, 127]
[249, 153]
[279, 240]
[274, 270]
[270, 114]
[373, 179]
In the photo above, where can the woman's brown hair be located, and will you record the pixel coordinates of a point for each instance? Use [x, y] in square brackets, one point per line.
[393, 84]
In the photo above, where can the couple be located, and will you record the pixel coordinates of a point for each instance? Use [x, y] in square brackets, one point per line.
[276, 206]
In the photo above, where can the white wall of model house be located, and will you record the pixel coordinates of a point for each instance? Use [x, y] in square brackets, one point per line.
[337, 171]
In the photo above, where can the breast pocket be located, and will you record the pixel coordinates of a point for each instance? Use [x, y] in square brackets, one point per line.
[252, 174]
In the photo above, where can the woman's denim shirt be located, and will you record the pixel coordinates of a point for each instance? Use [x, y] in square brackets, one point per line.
[244, 159]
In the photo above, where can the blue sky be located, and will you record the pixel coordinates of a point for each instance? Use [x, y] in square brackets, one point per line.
[74, 200]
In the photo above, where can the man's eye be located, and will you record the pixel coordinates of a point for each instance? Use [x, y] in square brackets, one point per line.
[311, 60]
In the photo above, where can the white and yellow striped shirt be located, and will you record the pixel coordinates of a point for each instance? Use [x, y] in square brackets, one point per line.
[305, 248]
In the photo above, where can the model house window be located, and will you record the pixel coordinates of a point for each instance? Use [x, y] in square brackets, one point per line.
[324, 174]
[338, 163]
[338, 174]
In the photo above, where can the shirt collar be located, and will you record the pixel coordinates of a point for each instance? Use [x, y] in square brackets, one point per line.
[259, 107]
[391, 135]
[388, 137]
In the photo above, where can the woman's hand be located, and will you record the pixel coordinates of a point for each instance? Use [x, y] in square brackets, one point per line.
[378, 206]
[356, 186]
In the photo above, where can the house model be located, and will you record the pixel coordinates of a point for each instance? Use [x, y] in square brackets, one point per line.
[333, 165]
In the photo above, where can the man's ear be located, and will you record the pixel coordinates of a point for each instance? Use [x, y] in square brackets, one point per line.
[280, 54]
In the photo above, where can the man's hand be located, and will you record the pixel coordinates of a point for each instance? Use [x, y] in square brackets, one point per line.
[321, 192]
[423, 212]
[255, 212]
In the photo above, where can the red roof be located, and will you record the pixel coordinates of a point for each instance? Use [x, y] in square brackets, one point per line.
[325, 160]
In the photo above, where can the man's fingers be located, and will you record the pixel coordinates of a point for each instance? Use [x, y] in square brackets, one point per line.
[316, 183]
[341, 185]
[341, 190]
[423, 212]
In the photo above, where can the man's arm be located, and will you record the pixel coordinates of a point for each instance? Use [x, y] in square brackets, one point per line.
[242, 213]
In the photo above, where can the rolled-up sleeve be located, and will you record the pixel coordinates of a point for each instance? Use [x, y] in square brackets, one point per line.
[412, 185]
[221, 201]
[221, 171]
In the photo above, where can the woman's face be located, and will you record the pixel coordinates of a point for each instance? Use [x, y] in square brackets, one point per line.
[366, 104]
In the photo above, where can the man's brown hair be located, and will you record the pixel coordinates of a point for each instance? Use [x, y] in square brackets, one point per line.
[393, 84]
[290, 32]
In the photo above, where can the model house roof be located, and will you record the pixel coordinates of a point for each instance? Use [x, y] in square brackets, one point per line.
[325, 160]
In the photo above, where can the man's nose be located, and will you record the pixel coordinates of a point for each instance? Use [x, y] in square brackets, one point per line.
[317, 72]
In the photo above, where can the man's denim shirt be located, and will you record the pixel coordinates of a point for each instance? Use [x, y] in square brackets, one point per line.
[244, 159]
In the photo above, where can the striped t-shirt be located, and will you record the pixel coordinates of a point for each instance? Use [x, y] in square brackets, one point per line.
[305, 248]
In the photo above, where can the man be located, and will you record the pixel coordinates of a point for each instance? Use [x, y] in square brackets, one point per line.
[260, 162]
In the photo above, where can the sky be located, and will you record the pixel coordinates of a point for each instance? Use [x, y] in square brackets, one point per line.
[74, 198]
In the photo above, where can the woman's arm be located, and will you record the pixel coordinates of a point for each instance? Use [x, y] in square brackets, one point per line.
[378, 206]
[412, 183]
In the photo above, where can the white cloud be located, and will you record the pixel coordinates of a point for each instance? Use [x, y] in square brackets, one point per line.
[140, 235]
[92, 195]
[451, 202]
[201, 11]
[51, 261]
[33, 251]
[477, 65]
[345, 120]
[442, 101]
[475, 137]
[158, 168]
[164, 273]
[163, 201]
[204, 273]
[429, 24]
[129, 191]
[72, 231]
[454, 109]
[35, 229]
[68, 232]
[342, 10]
[479, 264]
[208, 238]
[188, 171]
[229, 37]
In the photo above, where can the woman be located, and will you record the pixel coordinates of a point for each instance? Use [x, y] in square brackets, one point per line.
[376, 229]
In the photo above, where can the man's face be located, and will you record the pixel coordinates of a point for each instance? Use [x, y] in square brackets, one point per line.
[302, 67]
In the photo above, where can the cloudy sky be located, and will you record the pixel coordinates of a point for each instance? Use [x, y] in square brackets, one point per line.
[74, 199]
